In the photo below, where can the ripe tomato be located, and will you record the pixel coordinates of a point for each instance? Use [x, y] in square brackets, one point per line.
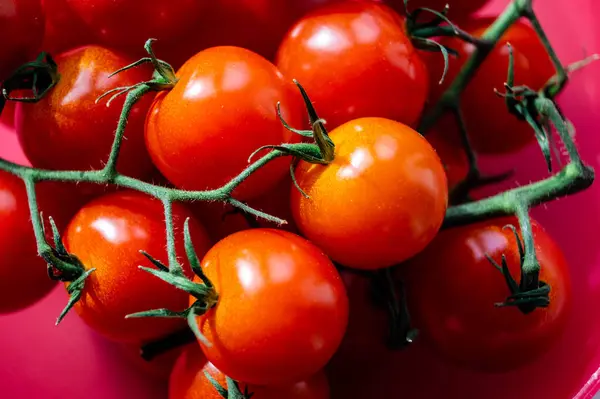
[491, 127]
[453, 156]
[23, 276]
[452, 289]
[21, 30]
[189, 382]
[355, 60]
[159, 367]
[125, 24]
[458, 8]
[220, 111]
[65, 30]
[57, 132]
[107, 234]
[221, 220]
[381, 200]
[282, 309]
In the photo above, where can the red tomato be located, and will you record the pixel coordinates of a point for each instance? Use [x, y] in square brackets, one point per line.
[491, 127]
[220, 111]
[189, 382]
[355, 60]
[56, 133]
[452, 154]
[452, 289]
[458, 8]
[128, 24]
[221, 220]
[159, 367]
[107, 234]
[23, 276]
[381, 200]
[21, 30]
[282, 309]
[65, 30]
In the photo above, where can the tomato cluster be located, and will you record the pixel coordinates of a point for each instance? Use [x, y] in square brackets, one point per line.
[280, 314]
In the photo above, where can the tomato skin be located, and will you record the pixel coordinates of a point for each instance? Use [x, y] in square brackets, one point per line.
[189, 382]
[453, 156]
[220, 111]
[57, 132]
[492, 129]
[354, 59]
[458, 8]
[23, 276]
[107, 234]
[64, 29]
[159, 367]
[381, 200]
[452, 289]
[22, 30]
[282, 310]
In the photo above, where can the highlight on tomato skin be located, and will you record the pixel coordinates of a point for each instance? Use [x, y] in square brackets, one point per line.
[492, 128]
[107, 234]
[381, 200]
[188, 381]
[452, 289]
[237, 91]
[56, 132]
[354, 59]
[282, 309]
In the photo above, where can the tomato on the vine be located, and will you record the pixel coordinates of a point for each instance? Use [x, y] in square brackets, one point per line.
[23, 275]
[22, 31]
[107, 234]
[188, 381]
[221, 110]
[492, 128]
[282, 308]
[452, 289]
[355, 60]
[381, 200]
[67, 129]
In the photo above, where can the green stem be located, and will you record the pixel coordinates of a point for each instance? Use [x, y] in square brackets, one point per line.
[133, 96]
[531, 267]
[491, 36]
[561, 73]
[38, 228]
[174, 266]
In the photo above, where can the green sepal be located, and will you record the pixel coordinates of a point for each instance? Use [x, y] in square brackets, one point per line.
[75, 290]
[39, 76]
[431, 45]
[303, 133]
[159, 265]
[182, 282]
[293, 165]
[249, 210]
[220, 389]
[58, 244]
[192, 256]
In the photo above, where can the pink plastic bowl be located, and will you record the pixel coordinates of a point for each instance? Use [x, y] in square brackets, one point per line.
[38, 360]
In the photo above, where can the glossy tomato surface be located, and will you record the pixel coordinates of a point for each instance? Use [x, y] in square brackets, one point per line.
[188, 381]
[107, 234]
[221, 110]
[458, 9]
[355, 60]
[22, 31]
[282, 308]
[492, 129]
[67, 129]
[64, 28]
[448, 146]
[380, 201]
[452, 289]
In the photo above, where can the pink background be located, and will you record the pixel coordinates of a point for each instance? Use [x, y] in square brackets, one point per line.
[38, 360]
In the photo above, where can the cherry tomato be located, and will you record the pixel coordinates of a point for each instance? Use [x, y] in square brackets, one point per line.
[452, 289]
[452, 154]
[492, 129]
[282, 308]
[220, 111]
[65, 30]
[159, 367]
[125, 24]
[222, 220]
[458, 8]
[381, 200]
[189, 382]
[107, 234]
[355, 60]
[23, 276]
[21, 30]
[67, 129]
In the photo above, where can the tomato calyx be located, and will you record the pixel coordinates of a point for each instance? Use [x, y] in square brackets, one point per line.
[205, 293]
[31, 81]
[527, 295]
[232, 391]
